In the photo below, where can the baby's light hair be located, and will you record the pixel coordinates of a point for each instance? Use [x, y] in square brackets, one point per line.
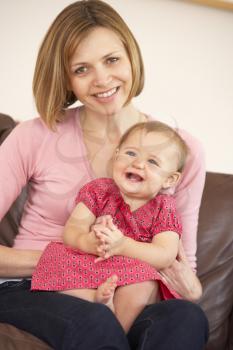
[159, 127]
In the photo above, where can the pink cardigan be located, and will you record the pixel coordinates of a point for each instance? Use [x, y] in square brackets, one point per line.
[56, 167]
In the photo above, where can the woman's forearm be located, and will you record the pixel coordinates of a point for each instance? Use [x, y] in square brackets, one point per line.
[17, 263]
[194, 292]
[191, 288]
[180, 277]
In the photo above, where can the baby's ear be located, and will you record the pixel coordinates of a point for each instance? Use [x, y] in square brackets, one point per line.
[172, 180]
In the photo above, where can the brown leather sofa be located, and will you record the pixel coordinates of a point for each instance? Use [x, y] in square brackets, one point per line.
[215, 260]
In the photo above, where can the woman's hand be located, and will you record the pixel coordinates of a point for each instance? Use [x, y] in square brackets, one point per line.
[181, 278]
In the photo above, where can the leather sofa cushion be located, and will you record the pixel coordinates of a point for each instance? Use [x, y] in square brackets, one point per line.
[14, 339]
[215, 256]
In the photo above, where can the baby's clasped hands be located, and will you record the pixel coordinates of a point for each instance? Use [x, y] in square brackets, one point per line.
[110, 237]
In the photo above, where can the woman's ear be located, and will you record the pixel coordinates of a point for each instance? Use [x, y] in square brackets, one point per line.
[172, 180]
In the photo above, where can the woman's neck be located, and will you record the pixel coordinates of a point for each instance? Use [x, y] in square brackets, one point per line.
[101, 135]
[112, 126]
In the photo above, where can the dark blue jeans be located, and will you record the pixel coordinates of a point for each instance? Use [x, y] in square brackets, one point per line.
[170, 325]
[68, 323]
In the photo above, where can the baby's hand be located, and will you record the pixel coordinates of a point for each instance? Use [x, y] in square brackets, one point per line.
[101, 246]
[111, 239]
[103, 220]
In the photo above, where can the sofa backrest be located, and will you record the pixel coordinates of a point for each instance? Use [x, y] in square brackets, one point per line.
[9, 224]
[215, 257]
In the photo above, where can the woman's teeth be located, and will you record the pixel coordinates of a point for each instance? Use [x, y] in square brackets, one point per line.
[106, 94]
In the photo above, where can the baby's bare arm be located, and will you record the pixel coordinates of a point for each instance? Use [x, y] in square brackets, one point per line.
[77, 232]
[160, 253]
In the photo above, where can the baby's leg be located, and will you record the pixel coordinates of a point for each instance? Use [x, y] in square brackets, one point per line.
[130, 300]
[103, 294]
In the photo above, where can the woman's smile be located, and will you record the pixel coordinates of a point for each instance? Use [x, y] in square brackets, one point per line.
[101, 73]
[106, 96]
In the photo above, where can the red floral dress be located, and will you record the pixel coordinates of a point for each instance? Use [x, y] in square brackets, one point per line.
[61, 267]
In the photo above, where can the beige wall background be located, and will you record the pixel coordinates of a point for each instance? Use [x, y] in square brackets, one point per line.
[188, 54]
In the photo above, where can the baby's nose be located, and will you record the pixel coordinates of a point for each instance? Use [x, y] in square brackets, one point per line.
[139, 163]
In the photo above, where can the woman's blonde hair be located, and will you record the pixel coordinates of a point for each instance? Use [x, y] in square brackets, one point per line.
[172, 135]
[74, 23]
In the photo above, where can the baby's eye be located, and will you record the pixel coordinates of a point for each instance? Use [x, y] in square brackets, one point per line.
[130, 153]
[152, 161]
[81, 70]
[112, 60]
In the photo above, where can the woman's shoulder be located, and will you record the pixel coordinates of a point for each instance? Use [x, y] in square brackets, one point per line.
[31, 127]
[195, 162]
[37, 128]
[196, 150]
[192, 141]
[27, 134]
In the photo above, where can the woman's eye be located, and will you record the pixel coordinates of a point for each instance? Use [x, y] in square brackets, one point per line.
[112, 59]
[130, 153]
[81, 70]
[152, 161]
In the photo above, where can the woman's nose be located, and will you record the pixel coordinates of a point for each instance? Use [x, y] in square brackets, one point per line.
[102, 77]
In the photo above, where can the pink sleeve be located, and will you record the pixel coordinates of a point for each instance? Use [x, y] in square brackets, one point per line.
[16, 159]
[188, 196]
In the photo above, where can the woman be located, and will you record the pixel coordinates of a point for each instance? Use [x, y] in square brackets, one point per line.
[90, 55]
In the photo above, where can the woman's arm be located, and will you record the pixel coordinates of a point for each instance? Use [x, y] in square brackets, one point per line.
[17, 155]
[15, 160]
[17, 263]
[188, 196]
[181, 278]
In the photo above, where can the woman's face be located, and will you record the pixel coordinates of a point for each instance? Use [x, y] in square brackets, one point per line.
[100, 72]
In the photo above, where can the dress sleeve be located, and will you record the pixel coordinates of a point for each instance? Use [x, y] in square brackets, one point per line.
[16, 159]
[167, 218]
[188, 196]
[88, 195]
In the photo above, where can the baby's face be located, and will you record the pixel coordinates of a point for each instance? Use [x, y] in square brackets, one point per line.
[143, 164]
